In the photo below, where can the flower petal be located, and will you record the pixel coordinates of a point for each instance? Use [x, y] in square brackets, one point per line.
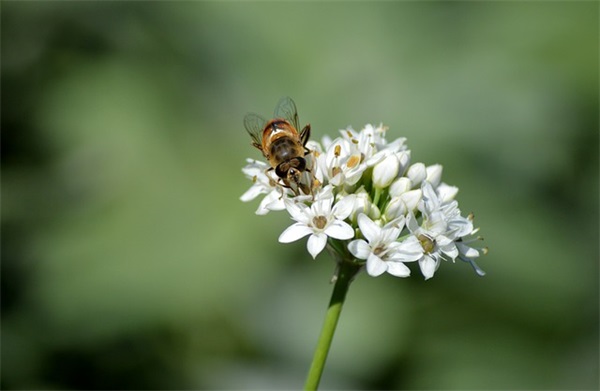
[298, 211]
[460, 226]
[352, 177]
[316, 243]
[467, 251]
[294, 232]
[430, 199]
[477, 269]
[398, 269]
[428, 266]
[272, 201]
[370, 230]
[411, 199]
[359, 248]
[343, 207]
[450, 250]
[395, 208]
[251, 193]
[375, 266]
[446, 192]
[436, 223]
[321, 207]
[325, 193]
[339, 230]
[409, 250]
[391, 232]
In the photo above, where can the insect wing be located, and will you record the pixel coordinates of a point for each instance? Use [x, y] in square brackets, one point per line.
[286, 109]
[254, 125]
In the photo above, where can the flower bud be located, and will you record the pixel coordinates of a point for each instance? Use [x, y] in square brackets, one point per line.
[400, 205]
[362, 204]
[404, 159]
[375, 212]
[395, 208]
[385, 171]
[417, 173]
[434, 174]
[399, 186]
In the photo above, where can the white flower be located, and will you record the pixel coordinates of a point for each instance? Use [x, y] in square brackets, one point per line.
[342, 163]
[362, 184]
[370, 142]
[255, 171]
[433, 241]
[466, 252]
[366, 141]
[433, 233]
[263, 183]
[440, 232]
[319, 221]
[382, 250]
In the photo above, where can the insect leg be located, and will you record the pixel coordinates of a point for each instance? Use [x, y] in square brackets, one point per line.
[305, 135]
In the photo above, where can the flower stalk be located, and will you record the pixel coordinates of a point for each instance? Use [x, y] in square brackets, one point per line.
[345, 273]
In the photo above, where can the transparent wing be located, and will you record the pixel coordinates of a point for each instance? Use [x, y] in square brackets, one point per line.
[286, 109]
[254, 125]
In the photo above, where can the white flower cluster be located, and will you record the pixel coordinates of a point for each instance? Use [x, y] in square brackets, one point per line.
[371, 204]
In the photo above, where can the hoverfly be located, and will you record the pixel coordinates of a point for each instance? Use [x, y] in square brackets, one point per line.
[281, 144]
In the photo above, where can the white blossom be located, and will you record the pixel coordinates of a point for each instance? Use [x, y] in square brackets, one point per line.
[381, 249]
[363, 186]
[320, 221]
[263, 182]
[441, 228]
[342, 164]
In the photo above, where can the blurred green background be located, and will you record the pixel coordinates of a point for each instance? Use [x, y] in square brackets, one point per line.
[130, 263]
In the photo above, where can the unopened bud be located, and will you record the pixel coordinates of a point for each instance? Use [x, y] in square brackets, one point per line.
[417, 173]
[399, 186]
[434, 174]
[385, 171]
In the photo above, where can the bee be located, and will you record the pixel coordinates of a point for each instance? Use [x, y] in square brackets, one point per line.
[281, 144]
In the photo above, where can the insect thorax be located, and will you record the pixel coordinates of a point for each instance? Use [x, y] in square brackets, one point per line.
[284, 149]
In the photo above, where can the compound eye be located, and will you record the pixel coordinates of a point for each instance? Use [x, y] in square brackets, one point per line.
[280, 171]
[300, 163]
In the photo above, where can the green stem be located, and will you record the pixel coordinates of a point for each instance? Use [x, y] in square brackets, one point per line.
[377, 195]
[346, 272]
